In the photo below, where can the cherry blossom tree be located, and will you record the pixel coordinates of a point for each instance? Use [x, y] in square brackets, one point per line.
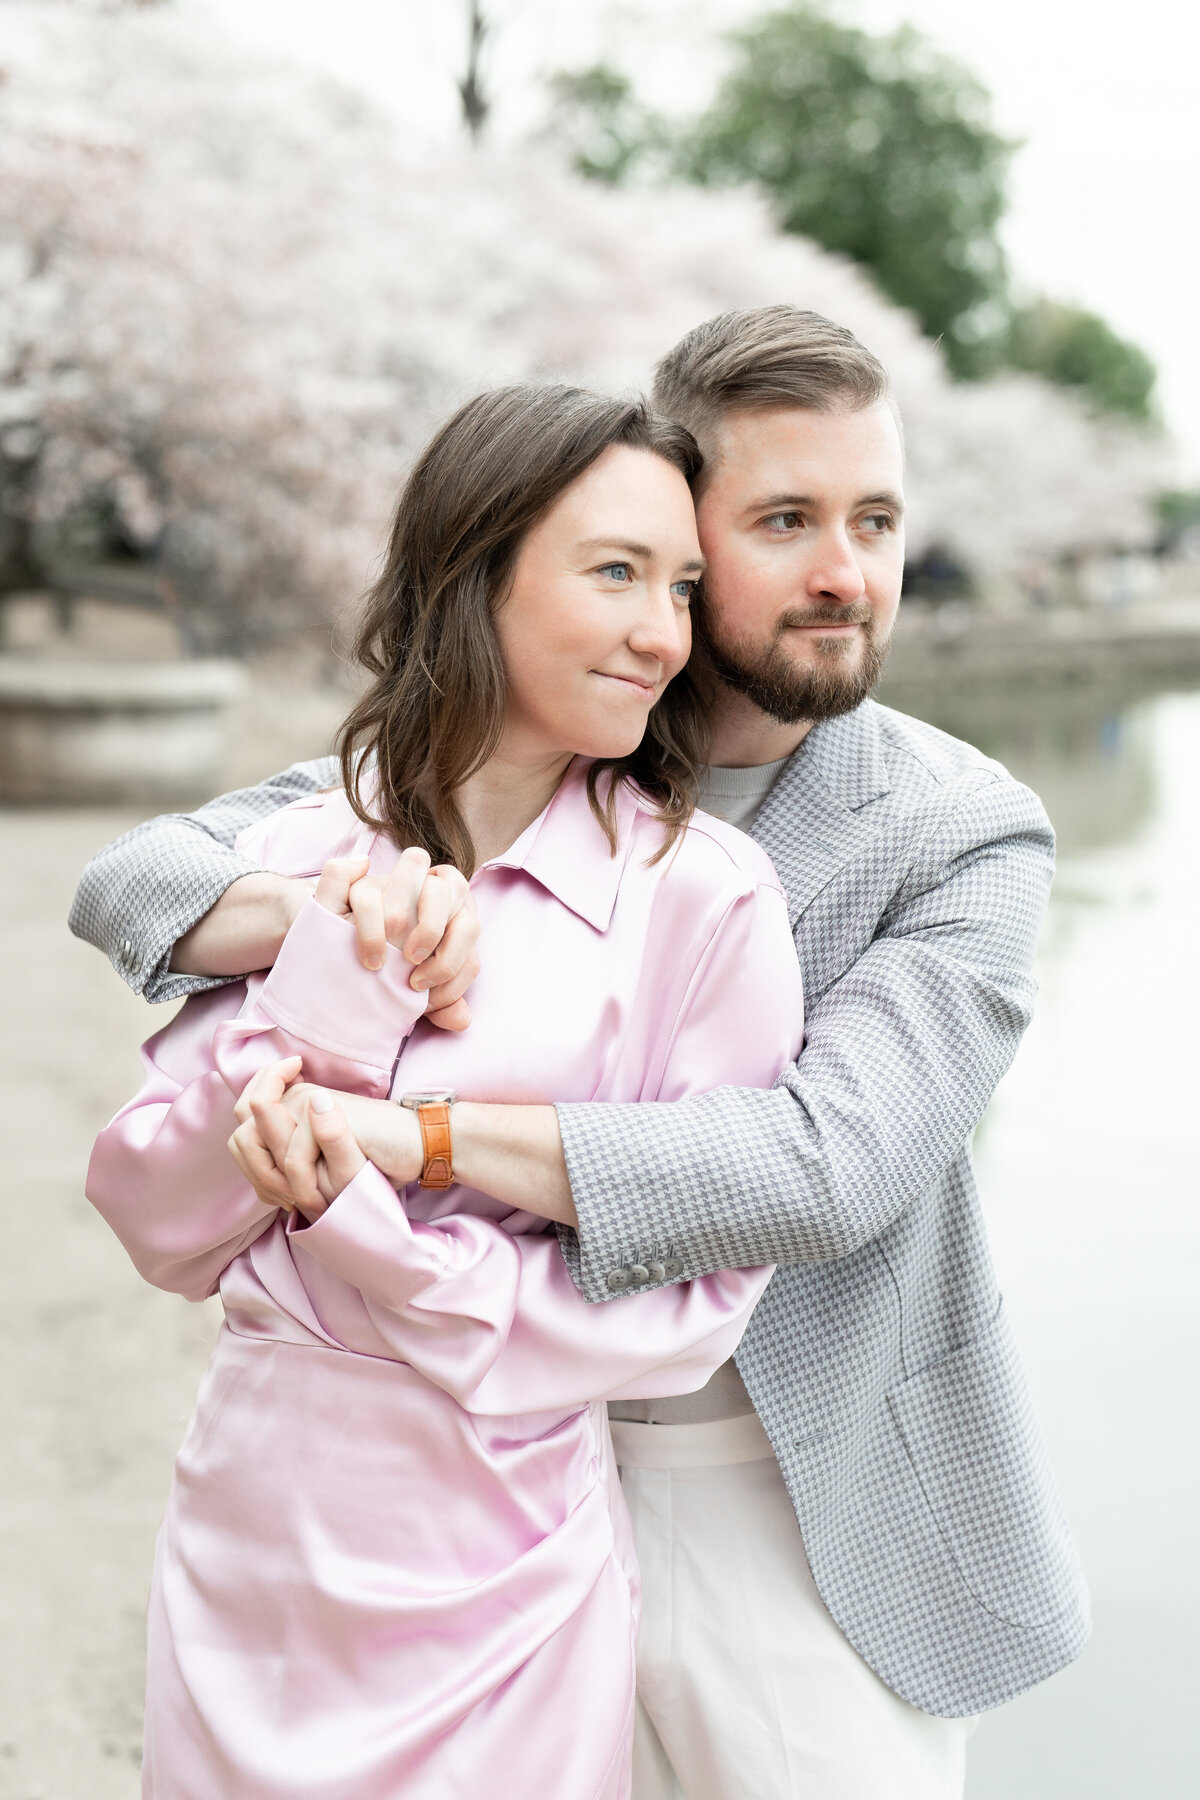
[233, 301]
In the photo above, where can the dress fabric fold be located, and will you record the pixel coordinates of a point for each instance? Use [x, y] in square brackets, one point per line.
[395, 1560]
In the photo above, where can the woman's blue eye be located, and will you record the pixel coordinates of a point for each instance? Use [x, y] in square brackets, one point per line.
[685, 589]
[619, 571]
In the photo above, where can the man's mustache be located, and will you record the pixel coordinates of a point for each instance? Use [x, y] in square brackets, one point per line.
[853, 613]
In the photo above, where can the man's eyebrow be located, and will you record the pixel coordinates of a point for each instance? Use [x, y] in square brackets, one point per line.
[782, 502]
[632, 549]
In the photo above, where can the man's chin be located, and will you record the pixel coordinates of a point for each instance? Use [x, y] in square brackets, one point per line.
[834, 676]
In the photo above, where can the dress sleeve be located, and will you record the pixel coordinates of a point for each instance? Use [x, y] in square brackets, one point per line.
[161, 1172]
[495, 1319]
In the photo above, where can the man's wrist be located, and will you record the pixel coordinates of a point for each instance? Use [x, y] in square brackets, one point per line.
[391, 1139]
[244, 930]
[515, 1154]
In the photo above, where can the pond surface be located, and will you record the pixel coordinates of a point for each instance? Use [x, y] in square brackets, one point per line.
[1088, 1166]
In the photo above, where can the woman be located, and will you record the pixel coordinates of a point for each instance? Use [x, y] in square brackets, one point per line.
[395, 1561]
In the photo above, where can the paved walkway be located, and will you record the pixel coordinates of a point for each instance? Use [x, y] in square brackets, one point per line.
[100, 1369]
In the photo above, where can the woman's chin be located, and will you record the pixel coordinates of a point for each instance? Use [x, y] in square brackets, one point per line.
[607, 744]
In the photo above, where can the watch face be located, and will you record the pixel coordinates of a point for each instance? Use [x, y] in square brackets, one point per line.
[430, 1097]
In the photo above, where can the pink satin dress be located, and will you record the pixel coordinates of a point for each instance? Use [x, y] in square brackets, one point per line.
[395, 1562]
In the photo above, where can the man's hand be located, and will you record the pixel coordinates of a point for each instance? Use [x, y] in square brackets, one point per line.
[426, 913]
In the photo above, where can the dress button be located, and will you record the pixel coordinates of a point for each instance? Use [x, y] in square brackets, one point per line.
[638, 1272]
[672, 1267]
[657, 1271]
[618, 1278]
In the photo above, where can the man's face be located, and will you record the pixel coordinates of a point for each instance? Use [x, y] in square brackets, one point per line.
[801, 521]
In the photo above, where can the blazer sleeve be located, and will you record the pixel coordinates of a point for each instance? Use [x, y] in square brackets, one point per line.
[901, 1057]
[161, 1172]
[140, 894]
[494, 1318]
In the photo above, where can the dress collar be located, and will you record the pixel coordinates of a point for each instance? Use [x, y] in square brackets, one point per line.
[566, 851]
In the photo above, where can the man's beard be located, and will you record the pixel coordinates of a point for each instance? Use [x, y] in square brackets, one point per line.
[840, 679]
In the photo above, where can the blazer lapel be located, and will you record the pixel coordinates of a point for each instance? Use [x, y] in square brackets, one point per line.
[810, 823]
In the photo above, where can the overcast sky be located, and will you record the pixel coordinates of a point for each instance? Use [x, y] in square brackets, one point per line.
[1104, 97]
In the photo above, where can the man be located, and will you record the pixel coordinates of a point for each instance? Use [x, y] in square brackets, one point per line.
[876, 1402]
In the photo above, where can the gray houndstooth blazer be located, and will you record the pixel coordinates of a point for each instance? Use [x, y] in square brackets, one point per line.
[880, 1358]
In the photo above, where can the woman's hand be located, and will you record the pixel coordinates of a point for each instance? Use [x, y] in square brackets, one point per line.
[426, 913]
[298, 1145]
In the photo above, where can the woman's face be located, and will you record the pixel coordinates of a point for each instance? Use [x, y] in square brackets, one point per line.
[596, 621]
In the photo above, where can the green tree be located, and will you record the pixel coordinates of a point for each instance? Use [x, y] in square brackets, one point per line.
[1077, 349]
[609, 132]
[878, 147]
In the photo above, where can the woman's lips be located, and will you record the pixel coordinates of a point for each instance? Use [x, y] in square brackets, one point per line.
[645, 689]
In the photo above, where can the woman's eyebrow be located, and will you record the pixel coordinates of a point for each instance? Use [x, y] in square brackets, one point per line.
[609, 543]
[643, 550]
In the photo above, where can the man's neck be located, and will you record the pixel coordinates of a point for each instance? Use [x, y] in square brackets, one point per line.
[743, 737]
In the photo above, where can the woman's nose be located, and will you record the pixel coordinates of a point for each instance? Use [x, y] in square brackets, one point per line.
[663, 629]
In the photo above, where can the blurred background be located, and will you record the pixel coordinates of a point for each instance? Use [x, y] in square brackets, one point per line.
[250, 250]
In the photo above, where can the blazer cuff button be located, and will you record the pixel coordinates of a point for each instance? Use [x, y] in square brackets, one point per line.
[618, 1278]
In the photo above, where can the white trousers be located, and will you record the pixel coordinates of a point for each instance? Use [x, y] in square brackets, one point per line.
[747, 1690]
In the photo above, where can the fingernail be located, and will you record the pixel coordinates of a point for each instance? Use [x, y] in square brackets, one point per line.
[320, 1101]
[419, 982]
[418, 956]
[374, 962]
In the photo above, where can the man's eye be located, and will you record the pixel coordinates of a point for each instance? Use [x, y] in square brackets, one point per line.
[782, 521]
[875, 523]
[618, 570]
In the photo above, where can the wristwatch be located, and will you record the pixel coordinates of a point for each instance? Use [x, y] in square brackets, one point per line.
[433, 1114]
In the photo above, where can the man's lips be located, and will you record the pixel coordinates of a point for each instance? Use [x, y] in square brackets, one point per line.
[829, 623]
[826, 627]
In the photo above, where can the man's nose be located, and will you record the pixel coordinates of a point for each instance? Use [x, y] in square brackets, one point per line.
[835, 573]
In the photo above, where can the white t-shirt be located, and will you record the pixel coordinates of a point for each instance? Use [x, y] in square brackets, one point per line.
[734, 795]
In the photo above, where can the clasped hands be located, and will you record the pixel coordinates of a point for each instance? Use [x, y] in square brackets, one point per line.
[298, 1145]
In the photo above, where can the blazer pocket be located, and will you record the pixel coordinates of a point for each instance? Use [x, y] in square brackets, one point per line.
[967, 1424]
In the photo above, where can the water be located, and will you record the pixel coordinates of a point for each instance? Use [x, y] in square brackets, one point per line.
[1088, 1166]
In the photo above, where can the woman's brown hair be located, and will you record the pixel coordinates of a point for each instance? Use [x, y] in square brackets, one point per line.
[434, 710]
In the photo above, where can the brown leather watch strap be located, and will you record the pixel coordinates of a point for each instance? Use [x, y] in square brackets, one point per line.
[438, 1171]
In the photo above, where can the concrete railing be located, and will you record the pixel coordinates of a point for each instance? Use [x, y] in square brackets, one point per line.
[88, 732]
